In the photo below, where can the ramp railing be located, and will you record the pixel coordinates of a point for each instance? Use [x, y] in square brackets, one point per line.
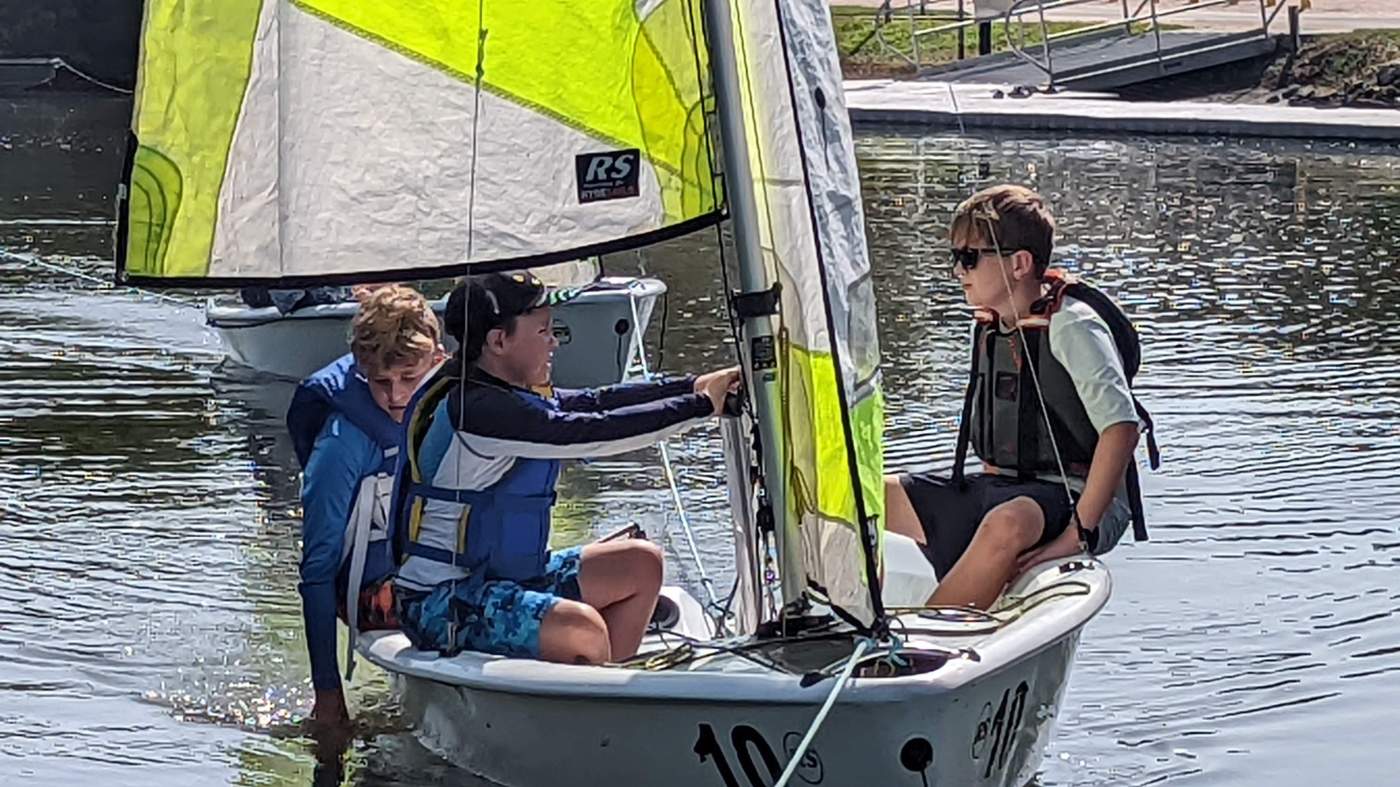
[1146, 19]
[903, 27]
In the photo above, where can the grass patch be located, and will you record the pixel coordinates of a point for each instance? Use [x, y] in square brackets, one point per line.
[854, 25]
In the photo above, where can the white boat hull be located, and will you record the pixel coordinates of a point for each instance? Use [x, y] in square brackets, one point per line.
[597, 333]
[981, 718]
[990, 732]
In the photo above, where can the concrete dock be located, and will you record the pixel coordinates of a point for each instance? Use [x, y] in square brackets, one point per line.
[961, 105]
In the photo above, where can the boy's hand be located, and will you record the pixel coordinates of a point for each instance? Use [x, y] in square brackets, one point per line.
[330, 721]
[717, 384]
[1064, 545]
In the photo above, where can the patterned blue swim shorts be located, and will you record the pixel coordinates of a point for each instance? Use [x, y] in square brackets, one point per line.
[491, 616]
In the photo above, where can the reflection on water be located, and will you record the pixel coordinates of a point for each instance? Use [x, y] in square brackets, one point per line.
[1254, 640]
[148, 616]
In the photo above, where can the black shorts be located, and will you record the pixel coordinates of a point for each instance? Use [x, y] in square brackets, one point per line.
[950, 515]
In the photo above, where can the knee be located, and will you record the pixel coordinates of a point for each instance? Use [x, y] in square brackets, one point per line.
[1013, 527]
[575, 633]
[649, 564]
[900, 516]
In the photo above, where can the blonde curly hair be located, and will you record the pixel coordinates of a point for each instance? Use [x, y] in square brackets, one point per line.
[395, 326]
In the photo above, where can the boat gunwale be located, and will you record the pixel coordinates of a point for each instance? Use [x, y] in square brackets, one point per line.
[527, 677]
[230, 317]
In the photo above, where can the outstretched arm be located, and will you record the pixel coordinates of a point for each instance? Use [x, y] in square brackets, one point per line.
[611, 397]
[329, 487]
[500, 424]
[495, 422]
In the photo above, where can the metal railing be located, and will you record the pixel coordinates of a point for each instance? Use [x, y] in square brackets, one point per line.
[1146, 19]
[914, 12]
[1151, 21]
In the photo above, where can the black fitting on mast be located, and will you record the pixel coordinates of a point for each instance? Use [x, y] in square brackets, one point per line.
[762, 303]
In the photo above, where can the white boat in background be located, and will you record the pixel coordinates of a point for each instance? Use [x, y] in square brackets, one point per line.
[524, 133]
[597, 332]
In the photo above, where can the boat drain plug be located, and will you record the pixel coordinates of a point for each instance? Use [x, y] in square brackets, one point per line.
[916, 755]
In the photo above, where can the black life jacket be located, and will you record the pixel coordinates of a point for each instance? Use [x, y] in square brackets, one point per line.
[1002, 418]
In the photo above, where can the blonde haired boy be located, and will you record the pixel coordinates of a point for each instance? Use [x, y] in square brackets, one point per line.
[346, 427]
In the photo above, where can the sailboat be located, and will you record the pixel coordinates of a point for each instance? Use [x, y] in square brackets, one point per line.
[599, 331]
[429, 137]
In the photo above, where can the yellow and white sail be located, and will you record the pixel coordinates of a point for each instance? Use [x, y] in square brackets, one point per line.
[812, 237]
[317, 141]
[286, 141]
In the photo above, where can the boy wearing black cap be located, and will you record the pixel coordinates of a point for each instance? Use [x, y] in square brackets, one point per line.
[485, 444]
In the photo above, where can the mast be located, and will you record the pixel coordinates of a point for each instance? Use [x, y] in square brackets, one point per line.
[761, 354]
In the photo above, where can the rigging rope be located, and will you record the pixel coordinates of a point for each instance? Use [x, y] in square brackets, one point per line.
[28, 259]
[59, 62]
[1020, 329]
[463, 362]
[862, 645]
[1035, 374]
[705, 580]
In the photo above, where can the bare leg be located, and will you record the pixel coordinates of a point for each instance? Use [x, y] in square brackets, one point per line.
[574, 633]
[621, 579]
[990, 560]
[900, 516]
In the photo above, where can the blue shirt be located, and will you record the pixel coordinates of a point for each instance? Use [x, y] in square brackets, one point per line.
[342, 456]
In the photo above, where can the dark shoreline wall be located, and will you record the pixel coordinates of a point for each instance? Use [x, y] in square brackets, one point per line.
[98, 37]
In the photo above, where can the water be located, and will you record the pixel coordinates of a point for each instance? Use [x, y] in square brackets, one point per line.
[149, 624]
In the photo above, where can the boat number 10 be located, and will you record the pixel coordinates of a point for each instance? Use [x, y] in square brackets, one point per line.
[751, 752]
[999, 729]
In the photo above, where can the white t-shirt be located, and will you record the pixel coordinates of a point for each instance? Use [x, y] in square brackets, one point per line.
[1082, 342]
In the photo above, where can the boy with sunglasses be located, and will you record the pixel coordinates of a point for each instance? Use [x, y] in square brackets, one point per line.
[1048, 410]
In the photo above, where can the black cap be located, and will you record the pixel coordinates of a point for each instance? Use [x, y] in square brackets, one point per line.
[496, 299]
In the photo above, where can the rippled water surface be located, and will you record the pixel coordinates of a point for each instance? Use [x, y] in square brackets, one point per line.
[149, 623]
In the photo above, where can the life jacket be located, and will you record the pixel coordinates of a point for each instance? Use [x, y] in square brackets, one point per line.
[340, 389]
[1002, 419]
[446, 531]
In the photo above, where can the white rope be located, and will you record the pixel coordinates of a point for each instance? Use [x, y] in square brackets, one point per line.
[793, 762]
[1035, 375]
[666, 466]
[59, 62]
[27, 259]
[1005, 279]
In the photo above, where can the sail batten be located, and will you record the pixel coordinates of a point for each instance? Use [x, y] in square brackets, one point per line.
[326, 140]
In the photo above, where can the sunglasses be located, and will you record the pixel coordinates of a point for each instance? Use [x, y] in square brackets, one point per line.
[967, 258]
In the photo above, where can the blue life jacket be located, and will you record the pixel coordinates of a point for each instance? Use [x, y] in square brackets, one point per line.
[340, 389]
[500, 532]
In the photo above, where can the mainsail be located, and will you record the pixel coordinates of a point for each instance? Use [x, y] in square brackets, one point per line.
[812, 239]
[297, 141]
[285, 142]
